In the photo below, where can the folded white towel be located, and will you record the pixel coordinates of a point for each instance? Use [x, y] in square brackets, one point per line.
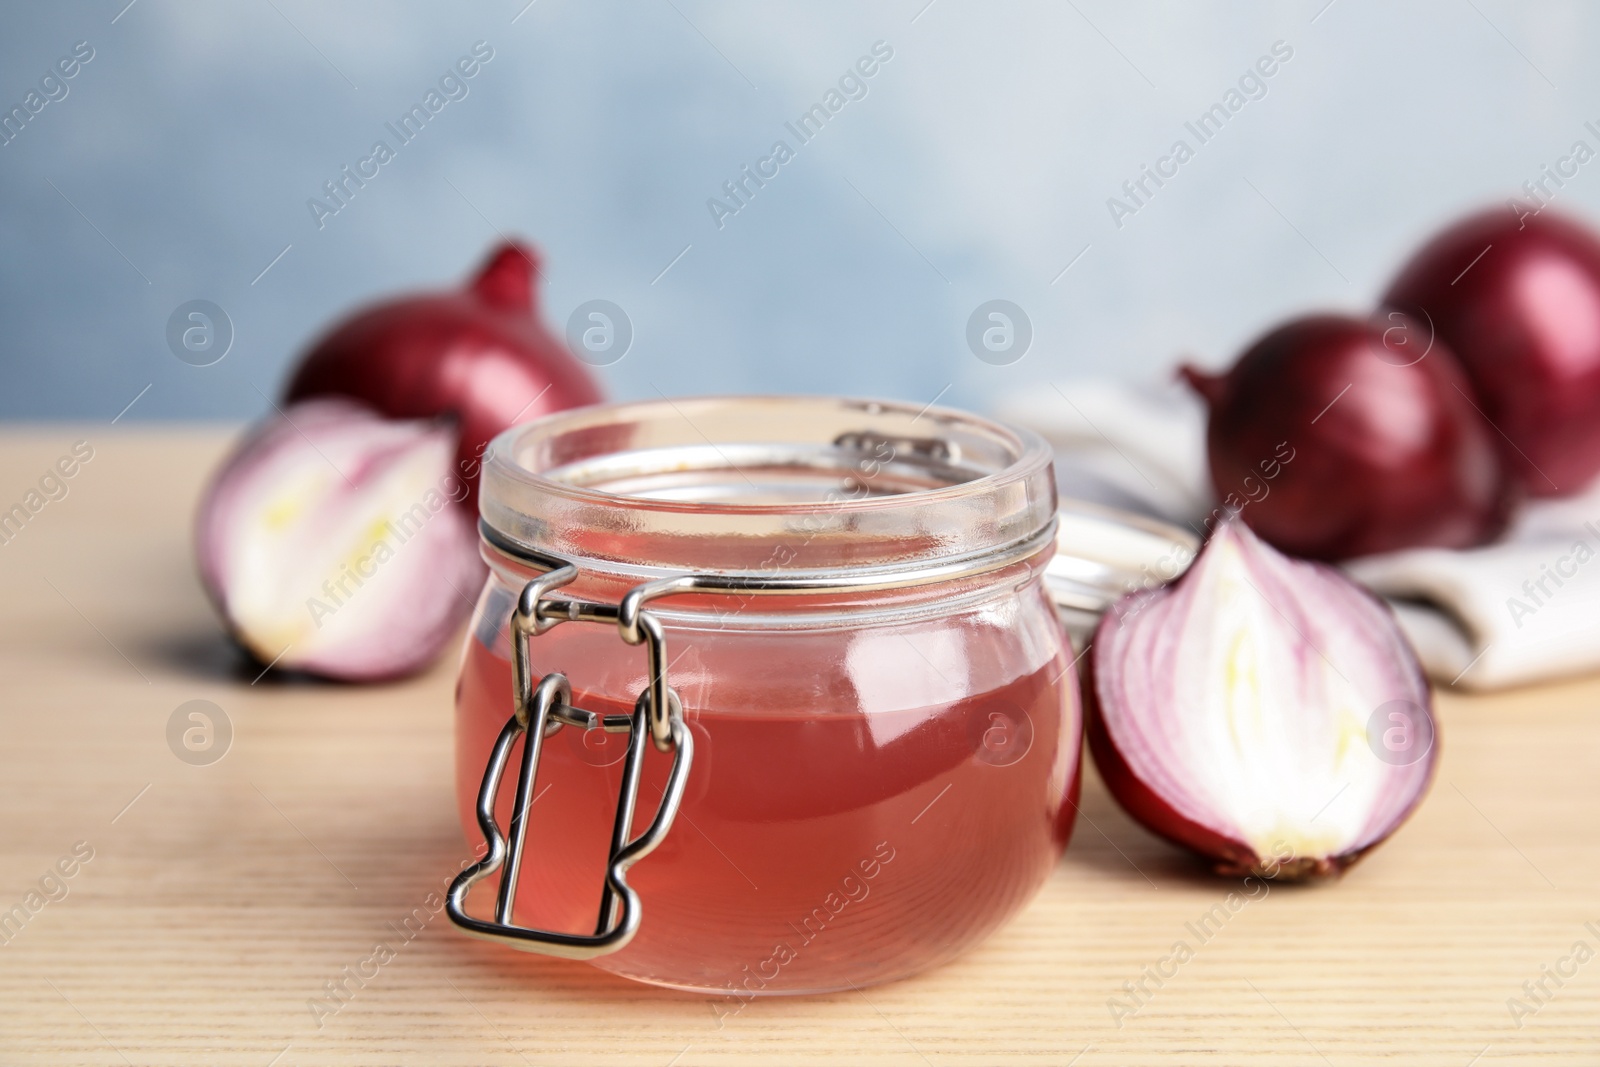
[1136, 447]
[1525, 609]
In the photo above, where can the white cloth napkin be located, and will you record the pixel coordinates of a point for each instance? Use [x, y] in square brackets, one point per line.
[1526, 609]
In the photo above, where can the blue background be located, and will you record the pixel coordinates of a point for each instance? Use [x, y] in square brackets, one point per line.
[977, 167]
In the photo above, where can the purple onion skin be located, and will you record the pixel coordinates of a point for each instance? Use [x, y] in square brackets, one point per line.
[478, 354]
[1388, 451]
[1315, 601]
[1516, 296]
[1227, 855]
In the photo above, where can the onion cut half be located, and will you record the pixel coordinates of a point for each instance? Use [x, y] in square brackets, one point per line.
[329, 542]
[1261, 711]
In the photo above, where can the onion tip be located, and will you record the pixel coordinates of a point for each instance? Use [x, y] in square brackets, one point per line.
[506, 279]
[1209, 387]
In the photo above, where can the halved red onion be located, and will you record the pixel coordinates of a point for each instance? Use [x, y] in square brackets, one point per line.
[1265, 712]
[329, 543]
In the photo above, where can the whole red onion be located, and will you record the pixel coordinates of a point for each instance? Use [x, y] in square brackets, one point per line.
[1516, 296]
[1336, 437]
[479, 354]
[1264, 712]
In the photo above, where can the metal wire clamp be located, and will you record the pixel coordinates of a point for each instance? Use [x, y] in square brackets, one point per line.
[539, 712]
[542, 709]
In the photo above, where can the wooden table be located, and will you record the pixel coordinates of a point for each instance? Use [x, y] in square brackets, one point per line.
[221, 898]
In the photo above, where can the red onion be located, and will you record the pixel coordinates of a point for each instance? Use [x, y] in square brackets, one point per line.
[479, 355]
[1335, 437]
[1263, 712]
[328, 544]
[1517, 297]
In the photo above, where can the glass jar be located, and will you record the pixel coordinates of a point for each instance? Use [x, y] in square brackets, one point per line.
[869, 757]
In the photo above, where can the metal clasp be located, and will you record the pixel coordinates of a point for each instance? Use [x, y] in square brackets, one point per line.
[540, 711]
[937, 449]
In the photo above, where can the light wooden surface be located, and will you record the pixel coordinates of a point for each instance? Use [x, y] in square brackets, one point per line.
[221, 898]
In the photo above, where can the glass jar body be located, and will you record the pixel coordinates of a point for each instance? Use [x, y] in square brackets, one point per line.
[873, 791]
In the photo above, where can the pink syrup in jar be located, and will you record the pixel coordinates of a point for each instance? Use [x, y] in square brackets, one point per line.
[878, 781]
[815, 847]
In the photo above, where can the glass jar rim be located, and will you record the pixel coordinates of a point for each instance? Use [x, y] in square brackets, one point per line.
[750, 484]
